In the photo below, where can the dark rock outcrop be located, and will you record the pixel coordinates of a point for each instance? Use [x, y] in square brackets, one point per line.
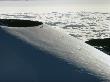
[101, 44]
[19, 23]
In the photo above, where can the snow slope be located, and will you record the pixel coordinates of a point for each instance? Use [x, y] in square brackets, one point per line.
[49, 54]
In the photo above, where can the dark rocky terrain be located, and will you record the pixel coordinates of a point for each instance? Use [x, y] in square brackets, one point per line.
[101, 44]
[19, 23]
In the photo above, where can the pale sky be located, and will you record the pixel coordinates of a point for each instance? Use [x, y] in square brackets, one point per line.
[67, 1]
[74, 4]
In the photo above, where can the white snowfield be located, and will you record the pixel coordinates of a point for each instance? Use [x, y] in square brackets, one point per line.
[61, 45]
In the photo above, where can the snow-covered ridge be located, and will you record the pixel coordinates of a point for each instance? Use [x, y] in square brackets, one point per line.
[85, 59]
[83, 25]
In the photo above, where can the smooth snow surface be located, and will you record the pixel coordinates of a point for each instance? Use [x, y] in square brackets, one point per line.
[49, 54]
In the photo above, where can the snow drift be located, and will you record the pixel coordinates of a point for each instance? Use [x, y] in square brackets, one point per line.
[42, 53]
